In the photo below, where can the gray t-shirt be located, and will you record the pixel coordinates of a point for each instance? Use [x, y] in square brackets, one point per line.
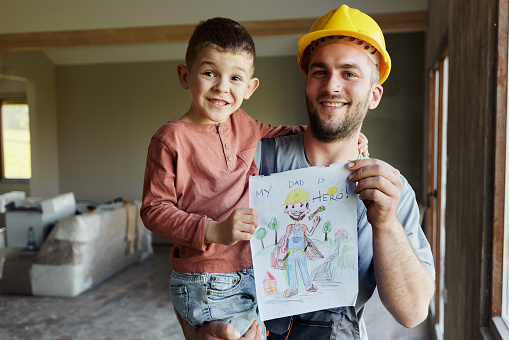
[287, 153]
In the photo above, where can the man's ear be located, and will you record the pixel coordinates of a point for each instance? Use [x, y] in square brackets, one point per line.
[183, 74]
[251, 87]
[376, 95]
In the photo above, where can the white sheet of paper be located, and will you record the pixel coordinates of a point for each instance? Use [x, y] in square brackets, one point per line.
[281, 264]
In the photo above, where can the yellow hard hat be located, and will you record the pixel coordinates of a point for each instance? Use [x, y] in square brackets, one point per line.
[350, 22]
[298, 195]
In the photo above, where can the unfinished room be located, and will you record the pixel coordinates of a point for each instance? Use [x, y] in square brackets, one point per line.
[85, 87]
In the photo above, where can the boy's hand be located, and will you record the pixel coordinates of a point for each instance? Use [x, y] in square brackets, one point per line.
[363, 145]
[239, 226]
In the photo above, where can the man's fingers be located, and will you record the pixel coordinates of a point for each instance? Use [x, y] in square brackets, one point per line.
[370, 196]
[365, 168]
[379, 183]
[253, 332]
[220, 330]
[379, 186]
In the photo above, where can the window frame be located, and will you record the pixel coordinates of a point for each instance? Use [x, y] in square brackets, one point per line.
[498, 327]
[436, 177]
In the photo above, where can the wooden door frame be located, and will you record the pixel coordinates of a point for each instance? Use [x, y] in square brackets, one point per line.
[434, 197]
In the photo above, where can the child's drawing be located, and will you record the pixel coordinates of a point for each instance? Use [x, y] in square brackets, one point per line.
[305, 247]
[295, 247]
[269, 284]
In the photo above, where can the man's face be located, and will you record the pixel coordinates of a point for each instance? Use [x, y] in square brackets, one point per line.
[297, 211]
[339, 91]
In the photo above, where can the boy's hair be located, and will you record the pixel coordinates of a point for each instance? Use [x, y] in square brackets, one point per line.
[223, 34]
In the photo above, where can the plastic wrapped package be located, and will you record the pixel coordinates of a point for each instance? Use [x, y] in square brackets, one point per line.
[37, 213]
[84, 250]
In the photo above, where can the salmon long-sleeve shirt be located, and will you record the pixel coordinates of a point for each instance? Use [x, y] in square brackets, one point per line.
[198, 173]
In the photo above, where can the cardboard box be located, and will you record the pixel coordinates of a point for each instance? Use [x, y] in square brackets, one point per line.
[40, 213]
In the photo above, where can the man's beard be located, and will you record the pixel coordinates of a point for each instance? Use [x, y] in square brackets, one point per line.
[325, 132]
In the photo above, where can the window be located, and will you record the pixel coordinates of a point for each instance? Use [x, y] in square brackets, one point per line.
[15, 139]
[436, 187]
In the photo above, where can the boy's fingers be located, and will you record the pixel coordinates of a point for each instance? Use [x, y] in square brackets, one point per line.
[245, 215]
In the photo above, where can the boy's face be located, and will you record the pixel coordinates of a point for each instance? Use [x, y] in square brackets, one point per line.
[218, 82]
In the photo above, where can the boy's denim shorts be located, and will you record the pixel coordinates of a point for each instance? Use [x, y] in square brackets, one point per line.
[227, 297]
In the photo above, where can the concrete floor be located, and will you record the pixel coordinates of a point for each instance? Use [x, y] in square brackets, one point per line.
[134, 305]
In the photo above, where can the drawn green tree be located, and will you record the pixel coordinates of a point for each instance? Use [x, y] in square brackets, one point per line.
[274, 225]
[326, 229]
[260, 234]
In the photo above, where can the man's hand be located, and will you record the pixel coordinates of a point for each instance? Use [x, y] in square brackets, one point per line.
[404, 285]
[379, 187]
[217, 330]
[239, 226]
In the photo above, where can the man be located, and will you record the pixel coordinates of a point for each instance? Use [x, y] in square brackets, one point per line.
[345, 61]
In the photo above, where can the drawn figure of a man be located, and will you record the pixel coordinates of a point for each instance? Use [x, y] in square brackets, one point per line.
[294, 248]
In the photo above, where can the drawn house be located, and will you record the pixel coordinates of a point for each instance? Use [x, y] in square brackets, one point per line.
[341, 235]
[269, 283]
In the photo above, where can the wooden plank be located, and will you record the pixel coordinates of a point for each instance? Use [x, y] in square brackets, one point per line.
[439, 198]
[430, 217]
[389, 22]
[500, 161]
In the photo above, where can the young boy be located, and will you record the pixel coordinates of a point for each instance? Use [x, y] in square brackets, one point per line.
[196, 180]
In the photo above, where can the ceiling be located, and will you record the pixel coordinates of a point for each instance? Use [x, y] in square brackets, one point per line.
[97, 31]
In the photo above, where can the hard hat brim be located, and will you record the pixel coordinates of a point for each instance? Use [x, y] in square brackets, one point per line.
[306, 40]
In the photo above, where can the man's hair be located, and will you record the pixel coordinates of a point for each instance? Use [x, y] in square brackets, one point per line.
[223, 34]
[375, 75]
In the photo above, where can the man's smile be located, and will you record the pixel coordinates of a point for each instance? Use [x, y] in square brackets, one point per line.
[328, 104]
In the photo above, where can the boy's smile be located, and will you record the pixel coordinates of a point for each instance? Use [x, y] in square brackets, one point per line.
[218, 82]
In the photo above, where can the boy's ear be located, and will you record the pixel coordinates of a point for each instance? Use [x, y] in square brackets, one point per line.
[183, 74]
[376, 95]
[251, 87]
